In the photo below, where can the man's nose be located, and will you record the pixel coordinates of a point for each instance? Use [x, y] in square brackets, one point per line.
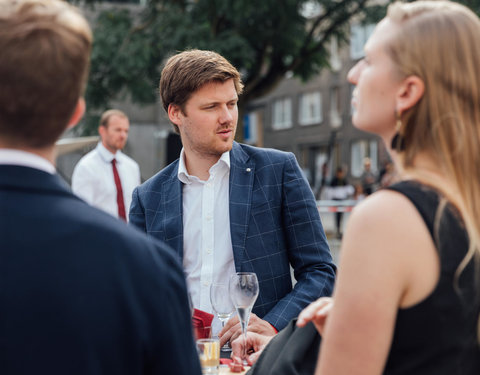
[226, 115]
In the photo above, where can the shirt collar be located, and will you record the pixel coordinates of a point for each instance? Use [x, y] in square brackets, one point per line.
[186, 178]
[25, 159]
[106, 155]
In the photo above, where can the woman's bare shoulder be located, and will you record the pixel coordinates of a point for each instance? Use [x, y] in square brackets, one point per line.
[384, 208]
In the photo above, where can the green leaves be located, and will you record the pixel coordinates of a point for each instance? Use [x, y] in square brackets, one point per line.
[123, 57]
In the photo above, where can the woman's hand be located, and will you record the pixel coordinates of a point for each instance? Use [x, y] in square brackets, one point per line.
[317, 312]
[255, 345]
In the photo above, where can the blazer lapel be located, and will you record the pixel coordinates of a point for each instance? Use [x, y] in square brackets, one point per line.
[242, 172]
[172, 213]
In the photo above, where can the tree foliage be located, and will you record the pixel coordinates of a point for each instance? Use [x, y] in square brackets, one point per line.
[263, 39]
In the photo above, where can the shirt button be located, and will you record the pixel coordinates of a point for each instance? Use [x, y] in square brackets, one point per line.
[209, 250]
[205, 283]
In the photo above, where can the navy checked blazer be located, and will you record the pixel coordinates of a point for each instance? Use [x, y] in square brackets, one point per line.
[274, 223]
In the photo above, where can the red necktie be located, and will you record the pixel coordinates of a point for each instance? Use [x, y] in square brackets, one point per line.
[118, 184]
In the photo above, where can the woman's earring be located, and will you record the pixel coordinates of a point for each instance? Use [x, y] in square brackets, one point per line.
[398, 141]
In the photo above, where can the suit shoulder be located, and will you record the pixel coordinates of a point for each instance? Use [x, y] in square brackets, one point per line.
[266, 154]
[166, 174]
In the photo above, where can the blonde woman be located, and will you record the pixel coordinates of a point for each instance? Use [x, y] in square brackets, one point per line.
[407, 294]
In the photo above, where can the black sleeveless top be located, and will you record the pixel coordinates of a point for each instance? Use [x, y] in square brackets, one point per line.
[439, 334]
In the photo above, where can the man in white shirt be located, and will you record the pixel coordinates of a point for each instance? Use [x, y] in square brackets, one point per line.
[81, 292]
[226, 207]
[106, 177]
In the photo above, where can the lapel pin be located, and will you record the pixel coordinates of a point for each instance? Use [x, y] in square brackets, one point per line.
[249, 170]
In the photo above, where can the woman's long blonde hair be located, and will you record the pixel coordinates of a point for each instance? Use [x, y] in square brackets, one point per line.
[439, 42]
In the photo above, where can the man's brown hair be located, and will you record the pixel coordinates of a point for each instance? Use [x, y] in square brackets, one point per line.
[44, 54]
[186, 72]
[108, 114]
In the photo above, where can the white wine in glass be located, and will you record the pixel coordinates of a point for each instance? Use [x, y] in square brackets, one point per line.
[244, 290]
[222, 305]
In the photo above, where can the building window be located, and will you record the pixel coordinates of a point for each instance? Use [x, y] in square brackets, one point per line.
[335, 61]
[250, 128]
[360, 150]
[359, 35]
[335, 118]
[310, 108]
[352, 108]
[282, 114]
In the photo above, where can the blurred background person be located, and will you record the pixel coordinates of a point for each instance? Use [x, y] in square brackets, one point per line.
[390, 176]
[339, 190]
[368, 178]
[358, 194]
[106, 177]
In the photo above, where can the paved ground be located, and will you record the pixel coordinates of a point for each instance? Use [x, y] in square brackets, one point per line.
[328, 221]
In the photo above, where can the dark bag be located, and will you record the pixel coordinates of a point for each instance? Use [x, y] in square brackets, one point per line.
[293, 351]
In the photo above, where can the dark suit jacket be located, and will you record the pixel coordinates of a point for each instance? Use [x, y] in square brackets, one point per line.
[274, 222]
[81, 292]
[294, 351]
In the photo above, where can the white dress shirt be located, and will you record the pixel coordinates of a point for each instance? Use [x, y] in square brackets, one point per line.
[93, 181]
[25, 159]
[207, 244]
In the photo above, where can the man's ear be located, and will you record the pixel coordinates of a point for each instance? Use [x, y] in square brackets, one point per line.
[174, 113]
[101, 131]
[77, 113]
[410, 93]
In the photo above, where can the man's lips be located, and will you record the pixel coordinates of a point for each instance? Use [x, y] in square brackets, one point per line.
[224, 131]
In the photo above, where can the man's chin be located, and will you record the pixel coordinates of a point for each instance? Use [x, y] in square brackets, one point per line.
[219, 151]
[228, 147]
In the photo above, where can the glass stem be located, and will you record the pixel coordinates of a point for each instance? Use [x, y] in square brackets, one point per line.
[244, 331]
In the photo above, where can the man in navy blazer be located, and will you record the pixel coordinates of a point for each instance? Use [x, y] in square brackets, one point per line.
[226, 207]
[80, 291]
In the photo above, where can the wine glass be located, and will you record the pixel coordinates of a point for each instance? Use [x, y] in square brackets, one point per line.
[243, 289]
[222, 305]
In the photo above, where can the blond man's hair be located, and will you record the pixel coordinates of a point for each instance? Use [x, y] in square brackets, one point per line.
[108, 114]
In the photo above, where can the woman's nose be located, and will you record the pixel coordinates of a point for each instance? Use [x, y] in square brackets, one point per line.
[353, 73]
